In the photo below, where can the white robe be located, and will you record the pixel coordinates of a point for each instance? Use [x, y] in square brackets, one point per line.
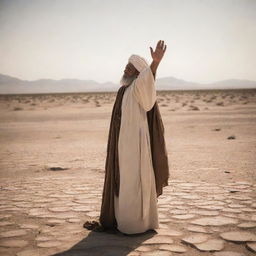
[136, 206]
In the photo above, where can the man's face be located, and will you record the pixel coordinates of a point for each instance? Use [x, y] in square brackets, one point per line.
[130, 73]
[130, 70]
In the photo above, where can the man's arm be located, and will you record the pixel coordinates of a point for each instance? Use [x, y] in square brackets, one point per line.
[153, 67]
[157, 56]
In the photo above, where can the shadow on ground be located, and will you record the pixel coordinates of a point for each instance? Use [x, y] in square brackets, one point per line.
[107, 244]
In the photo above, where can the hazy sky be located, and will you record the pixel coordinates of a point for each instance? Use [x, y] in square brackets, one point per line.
[207, 40]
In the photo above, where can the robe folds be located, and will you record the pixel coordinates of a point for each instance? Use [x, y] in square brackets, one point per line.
[136, 168]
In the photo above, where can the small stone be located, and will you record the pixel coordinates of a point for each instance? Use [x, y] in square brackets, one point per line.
[238, 236]
[173, 248]
[195, 239]
[13, 243]
[251, 246]
[211, 245]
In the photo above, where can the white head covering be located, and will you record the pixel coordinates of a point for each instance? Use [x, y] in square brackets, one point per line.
[138, 62]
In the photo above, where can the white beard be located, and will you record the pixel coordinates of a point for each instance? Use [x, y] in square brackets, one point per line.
[127, 80]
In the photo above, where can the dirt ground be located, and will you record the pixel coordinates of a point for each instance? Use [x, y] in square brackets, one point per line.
[211, 144]
[70, 130]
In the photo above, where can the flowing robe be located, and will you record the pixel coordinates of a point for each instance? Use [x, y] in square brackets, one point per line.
[136, 205]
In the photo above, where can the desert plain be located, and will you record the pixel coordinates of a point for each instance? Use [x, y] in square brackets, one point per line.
[52, 158]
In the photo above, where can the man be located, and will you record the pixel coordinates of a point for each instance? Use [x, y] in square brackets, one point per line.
[136, 167]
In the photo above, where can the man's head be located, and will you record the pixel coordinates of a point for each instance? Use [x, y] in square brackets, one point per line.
[130, 73]
[134, 66]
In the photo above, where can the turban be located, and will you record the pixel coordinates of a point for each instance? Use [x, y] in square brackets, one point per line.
[138, 62]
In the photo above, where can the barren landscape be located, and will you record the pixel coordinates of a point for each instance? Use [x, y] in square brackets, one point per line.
[52, 157]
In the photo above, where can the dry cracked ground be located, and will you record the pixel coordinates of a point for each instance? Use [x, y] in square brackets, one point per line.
[52, 172]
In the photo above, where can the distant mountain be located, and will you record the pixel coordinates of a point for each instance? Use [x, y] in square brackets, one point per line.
[12, 85]
[172, 83]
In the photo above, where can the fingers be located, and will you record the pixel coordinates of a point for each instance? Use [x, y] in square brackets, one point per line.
[160, 45]
[151, 50]
[165, 48]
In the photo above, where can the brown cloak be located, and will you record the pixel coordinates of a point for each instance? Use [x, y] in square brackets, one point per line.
[111, 184]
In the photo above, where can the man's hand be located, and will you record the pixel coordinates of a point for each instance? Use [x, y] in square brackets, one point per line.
[157, 56]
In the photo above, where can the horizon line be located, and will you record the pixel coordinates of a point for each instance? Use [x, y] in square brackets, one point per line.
[216, 81]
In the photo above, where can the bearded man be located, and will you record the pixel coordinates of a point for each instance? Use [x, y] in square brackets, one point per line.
[136, 168]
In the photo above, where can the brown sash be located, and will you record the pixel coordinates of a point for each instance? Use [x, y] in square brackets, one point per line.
[111, 183]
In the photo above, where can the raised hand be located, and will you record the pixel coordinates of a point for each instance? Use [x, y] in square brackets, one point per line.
[158, 54]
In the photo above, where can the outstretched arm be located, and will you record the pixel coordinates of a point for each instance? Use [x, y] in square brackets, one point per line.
[157, 56]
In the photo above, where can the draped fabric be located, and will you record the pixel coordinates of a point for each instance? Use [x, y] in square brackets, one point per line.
[107, 219]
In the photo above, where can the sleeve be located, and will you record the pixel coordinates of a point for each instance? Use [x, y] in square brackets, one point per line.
[144, 89]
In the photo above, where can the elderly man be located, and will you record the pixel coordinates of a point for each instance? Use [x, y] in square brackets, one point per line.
[136, 166]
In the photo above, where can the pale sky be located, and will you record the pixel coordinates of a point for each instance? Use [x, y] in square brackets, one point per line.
[207, 40]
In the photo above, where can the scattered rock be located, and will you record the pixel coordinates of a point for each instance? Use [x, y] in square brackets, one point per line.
[232, 137]
[17, 108]
[194, 107]
[159, 239]
[195, 238]
[214, 221]
[238, 236]
[197, 229]
[173, 248]
[211, 245]
[57, 168]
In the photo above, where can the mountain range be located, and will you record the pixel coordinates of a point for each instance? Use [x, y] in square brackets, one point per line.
[12, 85]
